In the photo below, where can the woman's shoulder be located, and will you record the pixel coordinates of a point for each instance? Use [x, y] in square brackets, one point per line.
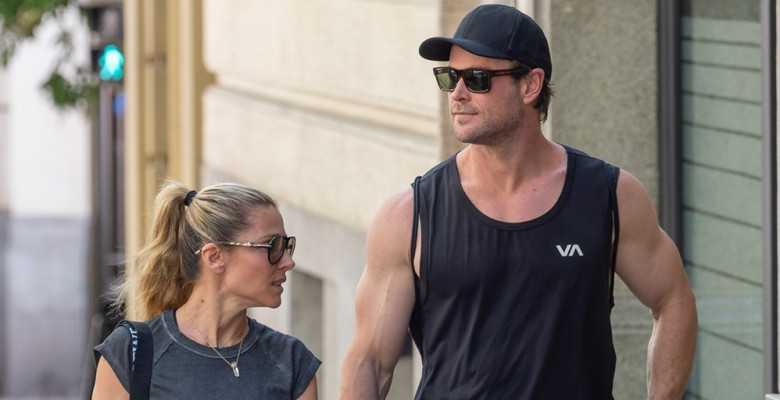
[272, 340]
[265, 333]
[285, 354]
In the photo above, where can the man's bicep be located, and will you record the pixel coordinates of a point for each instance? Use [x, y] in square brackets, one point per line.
[655, 277]
[648, 261]
[383, 306]
[385, 293]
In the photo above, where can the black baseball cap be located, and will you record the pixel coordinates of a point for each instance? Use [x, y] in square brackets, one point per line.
[495, 31]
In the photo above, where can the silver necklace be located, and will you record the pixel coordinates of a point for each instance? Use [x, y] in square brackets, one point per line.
[233, 365]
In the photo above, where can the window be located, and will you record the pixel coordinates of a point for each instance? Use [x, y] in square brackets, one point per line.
[721, 178]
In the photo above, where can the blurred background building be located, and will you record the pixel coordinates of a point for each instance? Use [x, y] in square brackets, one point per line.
[327, 106]
[45, 217]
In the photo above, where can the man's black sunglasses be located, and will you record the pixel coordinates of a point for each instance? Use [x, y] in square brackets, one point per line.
[477, 80]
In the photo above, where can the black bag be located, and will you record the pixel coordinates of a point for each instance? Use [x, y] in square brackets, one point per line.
[140, 353]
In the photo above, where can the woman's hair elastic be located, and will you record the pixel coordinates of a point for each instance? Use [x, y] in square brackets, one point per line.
[189, 197]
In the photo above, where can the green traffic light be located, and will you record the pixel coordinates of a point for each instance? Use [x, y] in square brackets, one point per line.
[111, 63]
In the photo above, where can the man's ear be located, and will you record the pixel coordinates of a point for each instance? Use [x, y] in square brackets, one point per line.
[213, 257]
[533, 86]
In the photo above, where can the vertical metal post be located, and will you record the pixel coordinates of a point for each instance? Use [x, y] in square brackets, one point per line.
[769, 207]
[669, 110]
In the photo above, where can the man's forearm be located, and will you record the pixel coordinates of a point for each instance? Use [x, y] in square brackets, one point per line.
[359, 381]
[672, 348]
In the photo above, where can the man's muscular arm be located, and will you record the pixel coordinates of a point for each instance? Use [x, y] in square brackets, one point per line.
[383, 303]
[649, 263]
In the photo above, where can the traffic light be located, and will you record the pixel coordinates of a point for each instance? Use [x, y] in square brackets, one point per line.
[111, 64]
[106, 41]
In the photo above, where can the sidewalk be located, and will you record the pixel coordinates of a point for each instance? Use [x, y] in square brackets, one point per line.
[43, 307]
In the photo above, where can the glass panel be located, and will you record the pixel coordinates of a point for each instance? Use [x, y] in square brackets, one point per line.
[721, 177]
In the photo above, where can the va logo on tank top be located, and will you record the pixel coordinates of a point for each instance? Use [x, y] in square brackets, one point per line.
[570, 250]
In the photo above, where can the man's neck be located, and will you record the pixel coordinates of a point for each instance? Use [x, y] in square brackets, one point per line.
[510, 164]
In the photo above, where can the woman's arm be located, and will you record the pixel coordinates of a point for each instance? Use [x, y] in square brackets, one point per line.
[311, 391]
[107, 385]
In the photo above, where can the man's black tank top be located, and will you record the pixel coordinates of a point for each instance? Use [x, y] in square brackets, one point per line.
[516, 310]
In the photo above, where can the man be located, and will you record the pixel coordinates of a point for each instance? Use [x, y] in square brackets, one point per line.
[502, 266]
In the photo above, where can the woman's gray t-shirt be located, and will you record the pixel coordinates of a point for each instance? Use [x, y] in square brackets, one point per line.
[272, 365]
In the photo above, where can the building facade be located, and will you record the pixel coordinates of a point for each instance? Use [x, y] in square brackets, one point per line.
[327, 106]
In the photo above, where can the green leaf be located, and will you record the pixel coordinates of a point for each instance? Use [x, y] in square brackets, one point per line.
[70, 94]
[19, 20]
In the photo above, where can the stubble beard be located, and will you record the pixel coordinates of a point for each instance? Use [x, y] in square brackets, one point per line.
[489, 131]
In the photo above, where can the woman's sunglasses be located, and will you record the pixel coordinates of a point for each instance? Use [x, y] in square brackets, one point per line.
[276, 247]
[477, 80]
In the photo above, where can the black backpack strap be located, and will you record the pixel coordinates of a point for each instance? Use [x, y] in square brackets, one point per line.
[612, 178]
[140, 352]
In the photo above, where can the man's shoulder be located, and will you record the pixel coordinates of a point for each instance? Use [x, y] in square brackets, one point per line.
[571, 151]
[583, 157]
[439, 168]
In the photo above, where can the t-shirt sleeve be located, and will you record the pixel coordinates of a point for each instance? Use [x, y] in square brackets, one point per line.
[306, 366]
[115, 350]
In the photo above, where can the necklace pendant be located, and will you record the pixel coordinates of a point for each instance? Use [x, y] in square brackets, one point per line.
[234, 365]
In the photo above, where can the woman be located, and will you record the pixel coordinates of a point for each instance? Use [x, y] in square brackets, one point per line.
[211, 255]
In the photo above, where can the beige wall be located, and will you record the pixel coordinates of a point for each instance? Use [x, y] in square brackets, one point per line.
[604, 56]
[330, 93]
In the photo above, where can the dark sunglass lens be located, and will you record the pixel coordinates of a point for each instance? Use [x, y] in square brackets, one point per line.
[477, 80]
[291, 245]
[447, 79]
[276, 249]
[278, 245]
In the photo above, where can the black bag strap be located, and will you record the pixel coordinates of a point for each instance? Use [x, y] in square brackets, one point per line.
[612, 179]
[416, 216]
[140, 352]
[416, 317]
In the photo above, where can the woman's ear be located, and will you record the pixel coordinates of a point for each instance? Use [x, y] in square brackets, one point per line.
[213, 257]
